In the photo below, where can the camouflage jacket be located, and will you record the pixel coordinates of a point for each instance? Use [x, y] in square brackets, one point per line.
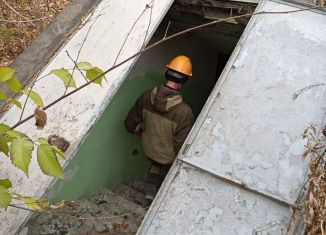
[164, 120]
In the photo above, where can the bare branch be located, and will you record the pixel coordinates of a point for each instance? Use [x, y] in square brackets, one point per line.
[79, 51]
[154, 45]
[89, 18]
[23, 110]
[127, 36]
[167, 29]
[76, 66]
[298, 92]
[41, 78]
[109, 217]
[22, 208]
[150, 20]
[22, 21]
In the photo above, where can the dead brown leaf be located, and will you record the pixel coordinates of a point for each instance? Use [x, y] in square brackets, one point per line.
[40, 118]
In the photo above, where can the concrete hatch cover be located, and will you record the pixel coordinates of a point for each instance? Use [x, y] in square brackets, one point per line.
[271, 229]
[252, 132]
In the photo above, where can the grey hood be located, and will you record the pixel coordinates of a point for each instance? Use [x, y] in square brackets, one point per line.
[164, 98]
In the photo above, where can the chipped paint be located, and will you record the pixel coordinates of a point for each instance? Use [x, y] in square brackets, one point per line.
[217, 208]
[74, 117]
[254, 143]
[257, 139]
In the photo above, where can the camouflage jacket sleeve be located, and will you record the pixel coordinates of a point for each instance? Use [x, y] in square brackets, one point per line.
[134, 118]
[184, 125]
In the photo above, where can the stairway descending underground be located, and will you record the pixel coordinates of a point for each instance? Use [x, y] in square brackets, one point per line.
[108, 212]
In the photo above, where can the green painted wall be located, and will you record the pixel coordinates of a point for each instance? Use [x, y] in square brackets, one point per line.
[110, 155]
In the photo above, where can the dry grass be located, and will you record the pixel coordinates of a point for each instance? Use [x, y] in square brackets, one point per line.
[315, 201]
[321, 3]
[16, 36]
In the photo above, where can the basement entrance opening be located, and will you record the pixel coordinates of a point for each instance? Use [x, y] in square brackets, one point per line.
[105, 179]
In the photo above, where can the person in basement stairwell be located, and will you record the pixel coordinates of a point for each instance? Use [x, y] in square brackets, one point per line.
[163, 120]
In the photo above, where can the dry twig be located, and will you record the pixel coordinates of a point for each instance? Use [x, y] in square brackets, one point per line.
[23, 110]
[167, 29]
[22, 21]
[300, 91]
[127, 36]
[154, 45]
[79, 51]
[314, 206]
[11, 8]
[109, 217]
[150, 20]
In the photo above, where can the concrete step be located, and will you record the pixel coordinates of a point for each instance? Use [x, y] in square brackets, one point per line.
[131, 194]
[105, 212]
[142, 186]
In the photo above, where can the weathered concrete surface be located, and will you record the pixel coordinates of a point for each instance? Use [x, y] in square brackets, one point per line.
[75, 116]
[40, 52]
[198, 203]
[252, 132]
[249, 132]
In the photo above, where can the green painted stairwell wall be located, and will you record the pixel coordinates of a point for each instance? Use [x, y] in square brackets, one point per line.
[110, 155]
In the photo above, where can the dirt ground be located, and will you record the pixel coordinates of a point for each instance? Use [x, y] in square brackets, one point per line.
[21, 21]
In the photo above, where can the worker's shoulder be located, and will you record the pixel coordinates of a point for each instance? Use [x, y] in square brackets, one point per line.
[183, 109]
[184, 106]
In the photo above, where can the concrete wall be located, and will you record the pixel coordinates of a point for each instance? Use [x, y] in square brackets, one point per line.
[74, 117]
[110, 155]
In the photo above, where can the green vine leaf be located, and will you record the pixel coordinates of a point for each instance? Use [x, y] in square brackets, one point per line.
[36, 204]
[5, 197]
[48, 162]
[4, 139]
[15, 134]
[42, 140]
[6, 73]
[5, 183]
[3, 96]
[84, 65]
[21, 153]
[65, 76]
[14, 85]
[4, 147]
[35, 97]
[4, 128]
[94, 73]
[59, 152]
[15, 102]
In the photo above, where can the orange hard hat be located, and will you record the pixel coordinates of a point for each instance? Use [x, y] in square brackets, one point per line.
[181, 64]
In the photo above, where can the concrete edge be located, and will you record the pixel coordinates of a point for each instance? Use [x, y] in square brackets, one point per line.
[179, 161]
